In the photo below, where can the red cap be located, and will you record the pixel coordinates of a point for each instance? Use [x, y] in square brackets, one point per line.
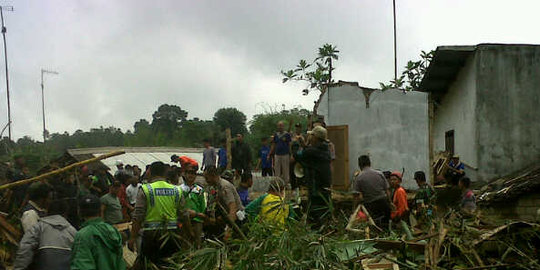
[398, 174]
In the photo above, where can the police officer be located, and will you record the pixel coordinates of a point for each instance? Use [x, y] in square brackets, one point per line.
[158, 209]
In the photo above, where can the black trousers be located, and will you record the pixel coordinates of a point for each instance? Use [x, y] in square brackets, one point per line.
[267, 172]
[152, 251]
[380, 212]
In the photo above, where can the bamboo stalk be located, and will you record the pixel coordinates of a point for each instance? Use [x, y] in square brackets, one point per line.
[61, 170]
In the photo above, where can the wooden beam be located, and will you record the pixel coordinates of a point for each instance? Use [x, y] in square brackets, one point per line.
[61, 170]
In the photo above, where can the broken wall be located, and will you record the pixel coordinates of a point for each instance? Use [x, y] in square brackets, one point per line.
[390, 126]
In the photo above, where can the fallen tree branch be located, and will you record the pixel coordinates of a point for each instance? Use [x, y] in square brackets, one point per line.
[61, 170]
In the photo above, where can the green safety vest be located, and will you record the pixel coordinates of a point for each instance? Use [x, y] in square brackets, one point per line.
[162, 203]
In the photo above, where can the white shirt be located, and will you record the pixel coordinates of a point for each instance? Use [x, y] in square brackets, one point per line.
[131, 193]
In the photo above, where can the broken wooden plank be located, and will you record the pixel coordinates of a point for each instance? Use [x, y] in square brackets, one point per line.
[398, 245]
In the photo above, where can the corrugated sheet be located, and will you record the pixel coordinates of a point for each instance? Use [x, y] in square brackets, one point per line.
[140, 156]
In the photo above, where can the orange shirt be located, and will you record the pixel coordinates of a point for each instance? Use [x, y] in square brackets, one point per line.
[400, 201]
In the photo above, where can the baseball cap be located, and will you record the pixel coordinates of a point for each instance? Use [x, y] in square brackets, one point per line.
[318, 132]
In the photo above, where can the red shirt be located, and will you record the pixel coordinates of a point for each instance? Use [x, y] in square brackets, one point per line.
[400, 201]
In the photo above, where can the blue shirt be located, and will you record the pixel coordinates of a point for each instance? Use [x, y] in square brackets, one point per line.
[222, 154]
[263, 155]
[282, 143]
[458, 166]
[244, 195]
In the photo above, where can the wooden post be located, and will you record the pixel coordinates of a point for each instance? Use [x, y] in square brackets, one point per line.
[61, 170]
[431, 112]
[229, 148]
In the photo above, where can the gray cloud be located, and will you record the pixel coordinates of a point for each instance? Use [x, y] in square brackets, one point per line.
[119, 60]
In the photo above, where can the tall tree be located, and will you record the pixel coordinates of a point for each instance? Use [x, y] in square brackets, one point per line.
[231, 118]
[168, 119]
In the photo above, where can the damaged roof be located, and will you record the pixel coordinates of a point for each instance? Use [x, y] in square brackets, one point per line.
[511, 187]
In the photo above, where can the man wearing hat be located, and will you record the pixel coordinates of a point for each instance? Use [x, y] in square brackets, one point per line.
[456, 170]
[316, 160]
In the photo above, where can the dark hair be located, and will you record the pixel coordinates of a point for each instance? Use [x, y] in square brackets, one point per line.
[58, 207]
[264, 139]
[363, 161]
[246, 176]
[276, 185]
[387, 174]
[158, 168]
[39, 191]
[89, 206]
[465, 181]
[206, 141]
[211, 170]
[420, 176]
[172, 177]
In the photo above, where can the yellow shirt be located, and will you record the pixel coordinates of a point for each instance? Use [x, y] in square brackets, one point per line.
[274, 210]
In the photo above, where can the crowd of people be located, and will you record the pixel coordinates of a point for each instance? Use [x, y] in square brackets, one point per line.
[78, 221]
[387, 202]
[81, 220]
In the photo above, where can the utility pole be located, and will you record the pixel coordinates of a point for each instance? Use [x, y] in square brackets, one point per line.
[44, 71]
[7, 8]
[395, 43]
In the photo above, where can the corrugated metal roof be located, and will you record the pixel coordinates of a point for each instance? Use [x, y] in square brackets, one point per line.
[140, 156]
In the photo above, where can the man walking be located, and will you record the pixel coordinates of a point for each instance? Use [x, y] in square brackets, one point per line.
[371, 186]
[97, 245]
[281, 149]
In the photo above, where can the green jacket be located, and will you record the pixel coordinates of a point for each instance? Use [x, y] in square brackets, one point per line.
[195, 199]
[98, 246]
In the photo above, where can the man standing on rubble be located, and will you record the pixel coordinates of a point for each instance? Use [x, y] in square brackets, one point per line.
[316, 160]
[158, 207]
[281, 146]
[371, 186]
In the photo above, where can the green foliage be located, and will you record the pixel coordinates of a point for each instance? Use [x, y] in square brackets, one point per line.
[411, 78]
[231, 118]
[296, 247]
[318, 73]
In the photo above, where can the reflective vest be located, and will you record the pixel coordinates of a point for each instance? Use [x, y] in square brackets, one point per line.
[162, 203]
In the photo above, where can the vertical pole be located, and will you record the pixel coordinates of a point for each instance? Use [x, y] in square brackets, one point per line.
[431, 112]
[7, 77]
[395, 43]
[229, 148]
[43, 106]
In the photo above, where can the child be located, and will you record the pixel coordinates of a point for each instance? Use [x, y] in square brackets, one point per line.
[423, 199]
[243, 189]
[265, 162]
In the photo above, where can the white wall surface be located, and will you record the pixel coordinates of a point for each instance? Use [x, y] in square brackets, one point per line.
[393, 130]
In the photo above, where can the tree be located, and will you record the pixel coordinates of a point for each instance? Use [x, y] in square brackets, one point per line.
[168, 119]
[231, 118]
[318, 73]
[414, 72]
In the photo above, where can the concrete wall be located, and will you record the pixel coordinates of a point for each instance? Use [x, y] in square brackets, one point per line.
[508, 108]
[393, 130]
[457, 111]
[525, 208]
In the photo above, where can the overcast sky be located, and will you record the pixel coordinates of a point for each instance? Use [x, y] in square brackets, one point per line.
[119, 60]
